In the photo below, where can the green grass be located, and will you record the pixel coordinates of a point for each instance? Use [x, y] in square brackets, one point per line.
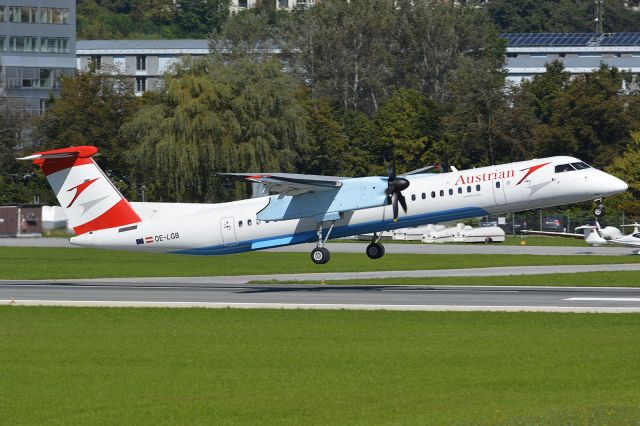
[584, 279]
[51, 263]
[57, 233]
[195, 366]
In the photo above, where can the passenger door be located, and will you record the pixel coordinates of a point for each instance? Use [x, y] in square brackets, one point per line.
[498, 192]
[228, 231]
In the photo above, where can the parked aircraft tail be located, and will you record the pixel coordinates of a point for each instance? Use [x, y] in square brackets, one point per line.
[89, 199]
[593, 234]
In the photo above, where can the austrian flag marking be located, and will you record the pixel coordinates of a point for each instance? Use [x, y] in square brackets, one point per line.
[148, 240]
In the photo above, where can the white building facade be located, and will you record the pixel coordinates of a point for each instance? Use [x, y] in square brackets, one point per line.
[580, 53]
[527, 55]
[37, 46]
[144, 60]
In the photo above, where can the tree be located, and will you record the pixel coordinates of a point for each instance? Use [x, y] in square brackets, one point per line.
[325, 150]
[345, 49]
[354, 53]
[627, 168]
[473, 125]
[198, 18]
[543, 90]
[255, 33]
[18, 183]
[90, 111]
[589, 119]
[429, 40]
[216, 116]
[406, 127]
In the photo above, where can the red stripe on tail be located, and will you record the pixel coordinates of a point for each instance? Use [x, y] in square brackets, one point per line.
[118, 215]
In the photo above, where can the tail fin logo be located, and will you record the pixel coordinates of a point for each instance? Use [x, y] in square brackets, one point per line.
[80, 189]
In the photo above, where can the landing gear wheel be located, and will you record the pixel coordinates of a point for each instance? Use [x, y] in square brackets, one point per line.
[598, 211]
[320, 255]
[375, 250]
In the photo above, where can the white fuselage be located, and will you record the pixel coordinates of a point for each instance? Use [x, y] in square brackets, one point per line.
[234, 227]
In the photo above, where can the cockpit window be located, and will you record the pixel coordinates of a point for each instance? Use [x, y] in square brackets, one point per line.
[636, 235]
[564, 168]
[581, 165]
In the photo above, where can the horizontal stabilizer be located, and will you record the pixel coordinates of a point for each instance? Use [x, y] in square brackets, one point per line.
[75, 151]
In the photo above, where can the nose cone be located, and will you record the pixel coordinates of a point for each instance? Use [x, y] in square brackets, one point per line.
[608, 185]
[618, 185]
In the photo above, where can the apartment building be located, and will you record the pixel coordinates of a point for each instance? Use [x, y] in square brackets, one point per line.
[236, 6]
[37, 46]
[143, 60]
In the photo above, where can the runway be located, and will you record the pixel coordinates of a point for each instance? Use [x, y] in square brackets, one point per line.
[392, 248]
[183, 293]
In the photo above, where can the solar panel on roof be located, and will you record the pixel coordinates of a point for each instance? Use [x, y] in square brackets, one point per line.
[621, 39]
[548, 39]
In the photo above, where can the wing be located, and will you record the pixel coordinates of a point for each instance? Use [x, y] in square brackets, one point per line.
[289, 183]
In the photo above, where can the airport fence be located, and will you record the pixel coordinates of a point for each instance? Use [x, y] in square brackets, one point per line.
[549, 220]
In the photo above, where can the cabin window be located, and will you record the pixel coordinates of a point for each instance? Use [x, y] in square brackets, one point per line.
[497, 184]
[478, 188]
[581, 165]
[249, 222]
[459, 190]
[468, 188]
[424, 196]
[450, 191]
[413, 197]
[239, 224]
[564, 168]
[433, 194]
[441, 193]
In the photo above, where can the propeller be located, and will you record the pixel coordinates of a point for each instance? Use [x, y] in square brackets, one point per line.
[394, 187]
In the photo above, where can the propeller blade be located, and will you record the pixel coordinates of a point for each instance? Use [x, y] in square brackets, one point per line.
[395, 206]
[403, 202]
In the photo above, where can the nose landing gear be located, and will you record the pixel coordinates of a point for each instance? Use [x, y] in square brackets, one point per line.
[598, 211]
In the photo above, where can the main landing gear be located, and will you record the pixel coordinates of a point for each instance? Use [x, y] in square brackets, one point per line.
[598, 211]
[375, 250]
[320, 255]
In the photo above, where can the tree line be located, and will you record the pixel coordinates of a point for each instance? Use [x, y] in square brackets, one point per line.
[341, 89]
[109, 19]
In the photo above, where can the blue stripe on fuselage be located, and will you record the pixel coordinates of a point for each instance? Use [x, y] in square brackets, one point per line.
[337, 232]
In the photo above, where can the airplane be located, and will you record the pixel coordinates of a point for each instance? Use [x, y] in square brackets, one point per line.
[309, 208]
[596, 235]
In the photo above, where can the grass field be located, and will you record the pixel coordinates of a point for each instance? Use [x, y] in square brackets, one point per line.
[193, 366]
[584, 279]
[51, 263]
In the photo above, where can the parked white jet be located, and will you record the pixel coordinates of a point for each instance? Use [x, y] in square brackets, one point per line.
[595, 235]
[308, 208]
